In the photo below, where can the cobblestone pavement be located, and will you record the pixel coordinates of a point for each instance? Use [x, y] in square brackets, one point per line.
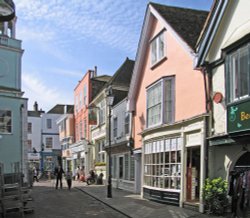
[91, 201]
[62, 203]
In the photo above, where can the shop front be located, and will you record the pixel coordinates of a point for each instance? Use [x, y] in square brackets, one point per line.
[123, 167]
[173, 159]
[78, 155]
[33, 160]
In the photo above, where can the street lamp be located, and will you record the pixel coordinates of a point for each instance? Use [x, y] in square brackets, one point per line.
[109, 100]
[7, 10]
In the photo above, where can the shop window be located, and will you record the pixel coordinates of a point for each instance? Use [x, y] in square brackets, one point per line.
[5, 121]
[162, 163]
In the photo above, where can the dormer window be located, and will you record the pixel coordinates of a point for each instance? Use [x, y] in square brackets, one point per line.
[157, 48]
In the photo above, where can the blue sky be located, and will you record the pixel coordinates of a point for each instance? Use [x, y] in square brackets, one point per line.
[62, 39]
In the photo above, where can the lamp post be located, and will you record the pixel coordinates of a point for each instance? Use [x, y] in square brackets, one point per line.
[110, 100]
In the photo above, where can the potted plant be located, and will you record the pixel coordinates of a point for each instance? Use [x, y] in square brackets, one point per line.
[215, 195]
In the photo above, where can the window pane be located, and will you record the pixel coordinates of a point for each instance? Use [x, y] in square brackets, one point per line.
[161, 46]
[49, 123]
[5, 121]
[243, 71]
[154, 97]
[168, 101]
[237, 68]
[153, 52]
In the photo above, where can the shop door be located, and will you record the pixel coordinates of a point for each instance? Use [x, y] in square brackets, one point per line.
[192, 176]
[240, 175]
[120, 171]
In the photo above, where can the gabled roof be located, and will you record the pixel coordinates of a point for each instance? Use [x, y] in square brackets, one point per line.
[120, 81]
[209, 30]
[185, 24]
[188, 23]
[60, 109]
[35, 113]
[123, 74]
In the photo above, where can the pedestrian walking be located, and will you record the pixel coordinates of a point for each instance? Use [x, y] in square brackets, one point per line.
[35, 175]
[68, 177]
[58, 173]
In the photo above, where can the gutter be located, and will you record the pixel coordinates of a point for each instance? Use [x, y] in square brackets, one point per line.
[211, 31]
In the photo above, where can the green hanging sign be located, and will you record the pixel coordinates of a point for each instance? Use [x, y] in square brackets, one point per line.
[238, 117]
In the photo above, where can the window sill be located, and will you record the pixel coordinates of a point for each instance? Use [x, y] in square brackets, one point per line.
[158, 63]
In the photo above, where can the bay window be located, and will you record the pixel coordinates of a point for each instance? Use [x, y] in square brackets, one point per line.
[238, 73]
[160, 102]
[162, 163]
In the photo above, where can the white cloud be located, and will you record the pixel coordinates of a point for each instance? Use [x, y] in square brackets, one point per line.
[113, 23]
[36, 90]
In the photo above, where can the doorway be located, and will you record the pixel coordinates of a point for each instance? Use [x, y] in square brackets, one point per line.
[120, 171]
[193, 174]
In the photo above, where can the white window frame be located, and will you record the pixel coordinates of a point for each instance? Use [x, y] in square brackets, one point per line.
[126, 123]
[49, 123]
[157, 48]
[49, 142]
[234, 74]
[163, 106]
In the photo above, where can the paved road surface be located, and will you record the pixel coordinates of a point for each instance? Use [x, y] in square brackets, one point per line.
[62, 203]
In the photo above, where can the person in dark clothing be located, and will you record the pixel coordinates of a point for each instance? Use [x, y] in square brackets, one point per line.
[58, 173]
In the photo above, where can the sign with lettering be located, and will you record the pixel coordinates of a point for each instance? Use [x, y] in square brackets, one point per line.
[238, 117]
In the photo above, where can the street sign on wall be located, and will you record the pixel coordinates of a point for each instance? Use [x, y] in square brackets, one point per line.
[238, 117]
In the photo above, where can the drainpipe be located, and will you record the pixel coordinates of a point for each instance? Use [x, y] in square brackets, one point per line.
[205, 132]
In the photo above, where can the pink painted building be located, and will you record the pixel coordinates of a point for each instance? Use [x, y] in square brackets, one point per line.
[167, 98]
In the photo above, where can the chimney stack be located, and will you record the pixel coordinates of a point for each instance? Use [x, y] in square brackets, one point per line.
[35, 106]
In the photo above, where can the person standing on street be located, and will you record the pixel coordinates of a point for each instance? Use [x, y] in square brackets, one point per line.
[68, 177]
[58, 173]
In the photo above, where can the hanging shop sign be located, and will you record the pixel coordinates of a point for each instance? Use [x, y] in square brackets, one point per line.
[238, 117]
[92, 116]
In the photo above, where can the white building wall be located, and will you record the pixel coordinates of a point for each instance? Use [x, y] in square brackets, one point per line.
[119, 111]
[35, 135]
[235, 24]
[53, 132]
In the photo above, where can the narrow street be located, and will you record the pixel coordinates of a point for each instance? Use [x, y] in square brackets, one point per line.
[62, 203]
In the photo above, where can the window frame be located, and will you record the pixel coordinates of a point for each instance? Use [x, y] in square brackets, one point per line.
[47, 145]
[49, 123]
[162, 163]
[115, 127]
[126, 123]
[155, 48]
[8, 127]
[163, 106]
[233, 87]
[29, 129]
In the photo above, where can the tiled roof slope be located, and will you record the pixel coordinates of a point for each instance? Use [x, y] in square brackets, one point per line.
[59, 109]
[188, 23]
[123, 74]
